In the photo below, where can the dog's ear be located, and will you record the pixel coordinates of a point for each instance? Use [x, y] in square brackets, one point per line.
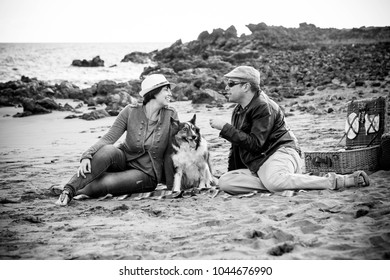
[174, 122]
[193, 119]
[197, 131]
[175, 125]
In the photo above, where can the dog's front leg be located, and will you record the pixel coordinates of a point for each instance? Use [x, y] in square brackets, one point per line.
[177, 181]
[210, 179]
[205, 179]
[203, 183]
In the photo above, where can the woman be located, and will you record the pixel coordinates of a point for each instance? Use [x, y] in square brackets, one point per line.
[141, 161]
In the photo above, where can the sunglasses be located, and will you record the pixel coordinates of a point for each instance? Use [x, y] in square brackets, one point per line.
[232, 83]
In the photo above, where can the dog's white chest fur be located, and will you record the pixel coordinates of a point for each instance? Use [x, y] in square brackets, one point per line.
[192, 163]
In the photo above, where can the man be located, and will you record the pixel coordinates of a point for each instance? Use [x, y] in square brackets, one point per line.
[265, 154]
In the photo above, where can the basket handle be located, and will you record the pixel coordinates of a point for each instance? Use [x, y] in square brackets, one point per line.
[317, 161]
[372, 140]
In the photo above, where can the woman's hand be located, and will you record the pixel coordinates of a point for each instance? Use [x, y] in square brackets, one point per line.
[85, 167]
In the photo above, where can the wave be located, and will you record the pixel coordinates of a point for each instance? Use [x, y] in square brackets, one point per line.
[52, 61]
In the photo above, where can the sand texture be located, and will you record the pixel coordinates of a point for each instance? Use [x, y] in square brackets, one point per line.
[40, 151]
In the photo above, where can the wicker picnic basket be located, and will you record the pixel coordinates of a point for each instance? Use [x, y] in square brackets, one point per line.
[343, 161]
[384, 159]
[362, 108]
[387, 114]
[361, 153]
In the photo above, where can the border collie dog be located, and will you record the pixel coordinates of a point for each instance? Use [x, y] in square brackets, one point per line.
[190, 156]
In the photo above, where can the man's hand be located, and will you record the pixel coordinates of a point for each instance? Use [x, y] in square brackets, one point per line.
[217, 123]
[85, 167]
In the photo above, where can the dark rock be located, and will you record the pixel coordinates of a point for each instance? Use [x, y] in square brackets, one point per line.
[91, 102]
[281, 249]
[25, 79]
[105, 87]
[167, 72]
[7, 97]
[94, 115]
[78, 106]
[32, 107]
[48, 92]
[118, 100]
[69, 90]
[231, 32]
[330, 110]
[257, 27]
[242, 56]
[208, 96]
[359, 83]
[48, 103]
[361, 213]
[12, 92]
[113, 113]
[78, 62]
[137, 57]
[68, 107]
[95, 62]
[290, 58]
[292, 62]
[183, 91]
[71, 117]
[86, 93]
[133, 88]
[36, 96]
[23, 114]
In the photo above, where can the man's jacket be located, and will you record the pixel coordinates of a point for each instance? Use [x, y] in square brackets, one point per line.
[256, 132]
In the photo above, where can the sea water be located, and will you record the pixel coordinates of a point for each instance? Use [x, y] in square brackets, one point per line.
[51, 62]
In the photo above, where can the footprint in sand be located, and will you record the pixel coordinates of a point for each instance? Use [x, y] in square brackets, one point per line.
[31, 195]
[153, 212]
[34, 219]
[269, 233]
[281, 249]
[122, 207]
[307, 226]
[381, 241]
[4, 200]
[209, 223]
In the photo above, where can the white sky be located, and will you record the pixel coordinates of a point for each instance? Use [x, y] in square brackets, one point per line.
[170, 20]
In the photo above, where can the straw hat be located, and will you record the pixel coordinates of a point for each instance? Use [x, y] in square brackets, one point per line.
[152, 82]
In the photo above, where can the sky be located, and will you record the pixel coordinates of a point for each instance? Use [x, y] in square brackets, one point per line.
[170, 20]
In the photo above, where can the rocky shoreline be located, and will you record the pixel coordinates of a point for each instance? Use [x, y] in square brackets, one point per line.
[293, 62]
[44, 150]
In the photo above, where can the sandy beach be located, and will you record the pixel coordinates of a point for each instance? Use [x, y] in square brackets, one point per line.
[43, 150]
